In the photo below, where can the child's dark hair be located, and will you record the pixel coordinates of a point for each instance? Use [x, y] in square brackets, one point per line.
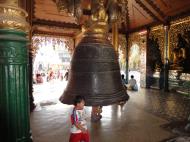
[78, 99]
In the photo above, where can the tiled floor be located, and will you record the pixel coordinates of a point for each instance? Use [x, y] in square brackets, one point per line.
[139, 120]
[169, 106]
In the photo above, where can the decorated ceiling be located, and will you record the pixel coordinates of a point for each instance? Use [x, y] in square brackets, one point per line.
[52, 16]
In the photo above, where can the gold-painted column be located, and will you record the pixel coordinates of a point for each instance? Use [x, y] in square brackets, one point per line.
[166, 58]
[115, 36]
[114, 16]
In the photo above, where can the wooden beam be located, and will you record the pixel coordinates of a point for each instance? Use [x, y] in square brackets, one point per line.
[128, 18]
[156, 9]
[55, 23]
[33, 9]
[139, 2]
[179, 15]
[144, 27]
[168, 20]
[52, 33]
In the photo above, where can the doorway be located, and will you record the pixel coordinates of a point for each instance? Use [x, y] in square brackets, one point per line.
[134, 63]
[51, 62]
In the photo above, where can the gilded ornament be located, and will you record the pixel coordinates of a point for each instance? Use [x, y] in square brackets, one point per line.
[99, 22]
[178, 43]
[38, 39]
[13, 18]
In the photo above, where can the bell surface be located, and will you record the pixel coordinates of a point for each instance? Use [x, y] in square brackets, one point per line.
[95, 74]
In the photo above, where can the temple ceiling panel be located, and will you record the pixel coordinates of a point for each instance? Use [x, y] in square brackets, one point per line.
[138, 16]
[47, 10]
[172, 7]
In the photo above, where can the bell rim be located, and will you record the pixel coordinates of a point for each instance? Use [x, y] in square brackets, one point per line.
[108, 99]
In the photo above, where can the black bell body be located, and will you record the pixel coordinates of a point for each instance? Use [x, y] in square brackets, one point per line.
[95, 74]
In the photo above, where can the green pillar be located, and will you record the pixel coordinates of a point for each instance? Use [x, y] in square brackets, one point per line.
[14, 102]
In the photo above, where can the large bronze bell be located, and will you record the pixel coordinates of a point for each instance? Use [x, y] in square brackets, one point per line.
[94, 71]
[94, 74]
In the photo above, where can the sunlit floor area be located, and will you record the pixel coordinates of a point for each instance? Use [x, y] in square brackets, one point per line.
[141, 119]
[48, 93]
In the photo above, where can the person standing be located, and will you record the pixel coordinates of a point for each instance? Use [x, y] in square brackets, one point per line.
[79, 132]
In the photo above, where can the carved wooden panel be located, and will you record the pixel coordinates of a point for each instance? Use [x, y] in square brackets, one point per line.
[55, 41]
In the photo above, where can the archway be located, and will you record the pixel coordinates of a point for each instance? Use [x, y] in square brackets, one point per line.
[51, 62]
[134, 62]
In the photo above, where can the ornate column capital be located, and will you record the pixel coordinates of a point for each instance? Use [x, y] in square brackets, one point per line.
[13, 17]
